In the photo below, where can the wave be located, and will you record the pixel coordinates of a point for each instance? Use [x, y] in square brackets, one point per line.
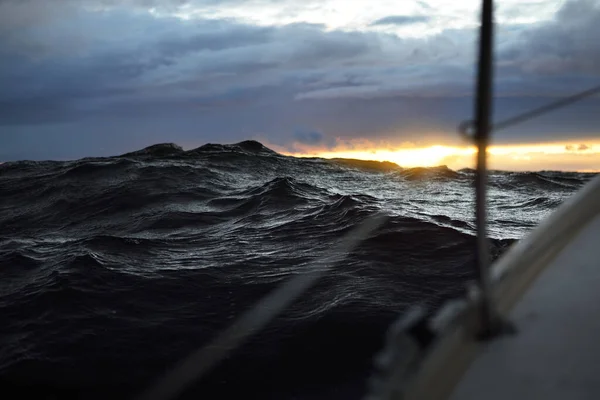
[539, 180]
[535, 202]
[181, 219]
[432, 173]
[384, 166]
[283, 193]
[456, 223]
[80, 169]
[247, 146]
[157, 150]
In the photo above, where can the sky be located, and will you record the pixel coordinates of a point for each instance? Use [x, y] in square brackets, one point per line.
[375, 79]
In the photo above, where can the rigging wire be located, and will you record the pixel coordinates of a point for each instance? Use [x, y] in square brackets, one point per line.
[545, 109]
[466, 128]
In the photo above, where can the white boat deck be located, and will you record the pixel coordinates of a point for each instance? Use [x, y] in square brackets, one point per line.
[555, 353]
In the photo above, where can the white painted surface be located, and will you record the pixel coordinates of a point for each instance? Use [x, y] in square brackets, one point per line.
[556, 351]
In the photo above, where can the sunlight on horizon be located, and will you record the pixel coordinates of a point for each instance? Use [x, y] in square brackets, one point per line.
[581, 156]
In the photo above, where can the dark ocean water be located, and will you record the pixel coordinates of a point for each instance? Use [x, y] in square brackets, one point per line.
[112, 269]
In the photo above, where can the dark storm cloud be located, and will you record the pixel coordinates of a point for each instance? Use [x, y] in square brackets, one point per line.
[566, 46]
[401, 20]
[221, 80]
[309, 136]
[180, 62]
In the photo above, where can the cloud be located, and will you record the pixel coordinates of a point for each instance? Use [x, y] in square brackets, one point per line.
[309, 137]
[567, 45]
[365, 92]
[401, 20]
[117, 66]
[524, 12]
[581, 147]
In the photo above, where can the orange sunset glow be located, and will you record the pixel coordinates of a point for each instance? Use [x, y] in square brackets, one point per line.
[578, 155]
